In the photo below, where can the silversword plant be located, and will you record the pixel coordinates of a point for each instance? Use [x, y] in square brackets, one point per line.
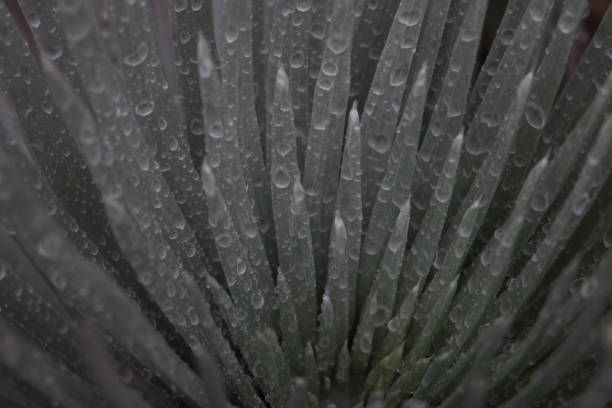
[304, 203]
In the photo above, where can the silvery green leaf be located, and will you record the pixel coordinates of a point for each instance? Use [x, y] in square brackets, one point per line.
[577, 96]
[85, 288]
[450, 264]
[382, 374]
[518, 60]
[447, 117]
[59, 161]
[186, 23]
[475, 299]
[236, 67]
[344, 364]
[222, 148]
[45, 24]
[115, 147]
[569, 154]
[139, 242]
[273, 371]
[292, 341]
[43, 372]
[241, 329]
[454, 18]
[396, 185]
[372, 24]
[575, 347]
[289, 207]
[289, 42]
[485, 183]
[298, 397]
[240, 274]
[430, 40]
[326, 341]
[406, 383]
[324, 150]
[320, 11]
[338, 281]
[311, 370]
[505, 37]
[469, 393]
[422, 343]
[593, 174]
[553, 313]
[156, 113]
[349, 208]
[420, 255]
[541, 98]
[399, 324]
[378, 307]
[382, 106]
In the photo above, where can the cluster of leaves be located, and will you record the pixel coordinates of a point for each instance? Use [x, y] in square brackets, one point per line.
[303, 203]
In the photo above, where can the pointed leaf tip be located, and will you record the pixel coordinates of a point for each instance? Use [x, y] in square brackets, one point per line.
[208, 178]
[340, 234]
[524, 87]
[421, 77]
[405, 210]
[354, 114]
[298, 190]
[205, 66]
[282, 81]
[458, 141]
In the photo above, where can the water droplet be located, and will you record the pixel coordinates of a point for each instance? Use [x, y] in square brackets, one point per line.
[469, 34]
[490, 119]
[539, 202]
[193, 341]
[456, 314]
[144, 108]
[180, 5]
[193, 316]
[240, 267]
[190, 250]
[197, 127]
[534, 115]
[394, 325]
[215, 130]
[443, 194]
[231, 32]
[3, 272]
[507, 36]
[33, 19]
[281, 178]
[365, 343]
[303, 5]
[59, 280]
[50, 246]
[381, 316]
[224, 240]
[329, 68]
[257, 301]
[325, 83]
[379, 142]
[283, 148]
[196, 4]
[409, 18]
[537, 10]
[399, 76]
[567, 22]
[297, 60]
[580, 204]
[338, 42]
[138, 56]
